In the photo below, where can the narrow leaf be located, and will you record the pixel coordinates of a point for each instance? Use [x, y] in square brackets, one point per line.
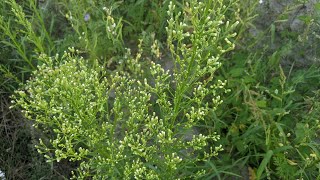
[264, 163]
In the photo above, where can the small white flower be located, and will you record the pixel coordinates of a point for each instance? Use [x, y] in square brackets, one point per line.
[2, 175]
[260, 1]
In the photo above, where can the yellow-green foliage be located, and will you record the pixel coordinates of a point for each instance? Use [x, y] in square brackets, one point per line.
[117, 126]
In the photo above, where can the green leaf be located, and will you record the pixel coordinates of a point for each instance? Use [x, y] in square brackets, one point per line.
[306, 19]
[317, 6]
[248, 79]
[279, 111]
[274, 60]
[300, 132]
[273, 30]
[262, 104]
[240, 145]
[237, 72]
[264, 163]
[282, 149]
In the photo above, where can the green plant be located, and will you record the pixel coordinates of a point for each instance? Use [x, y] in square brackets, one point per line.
[24, 37]
[145, 16]
[28, 36]
[19, 158]
[116, 126]
[269, 116]
[98, 31]
[103, 111]
[265, 122]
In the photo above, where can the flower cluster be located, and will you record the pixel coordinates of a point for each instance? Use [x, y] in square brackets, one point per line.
[131, 125]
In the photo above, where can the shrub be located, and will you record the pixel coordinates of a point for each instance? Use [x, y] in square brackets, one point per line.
[146, 124]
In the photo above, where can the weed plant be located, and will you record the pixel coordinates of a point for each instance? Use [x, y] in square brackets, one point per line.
[267, 124]
[271, 113]
[19, 158]
[225, 107]
[116, 126]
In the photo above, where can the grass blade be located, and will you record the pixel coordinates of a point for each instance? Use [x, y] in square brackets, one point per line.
[264, 163]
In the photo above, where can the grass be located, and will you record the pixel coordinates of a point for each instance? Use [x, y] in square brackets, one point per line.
[266, 115]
